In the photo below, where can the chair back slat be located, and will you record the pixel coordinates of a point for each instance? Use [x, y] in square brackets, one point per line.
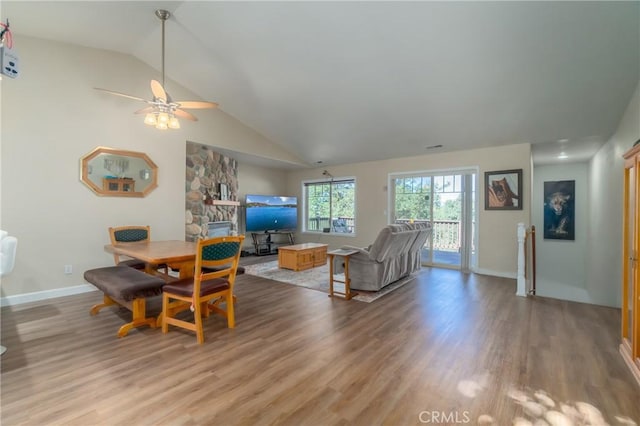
[131, 235]
[128, 234]
[220, 251]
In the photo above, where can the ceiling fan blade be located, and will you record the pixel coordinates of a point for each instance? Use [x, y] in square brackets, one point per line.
[196, 104]
[120, 94]
[158, 91]
[184, 114]
[145, 110]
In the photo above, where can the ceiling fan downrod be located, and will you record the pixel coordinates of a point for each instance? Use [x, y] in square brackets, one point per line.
[163, 15]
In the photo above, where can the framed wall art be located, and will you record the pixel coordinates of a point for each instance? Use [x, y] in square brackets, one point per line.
[559, 214]
[503, 190]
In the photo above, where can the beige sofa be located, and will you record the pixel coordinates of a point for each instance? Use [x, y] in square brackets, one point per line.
[393, 255]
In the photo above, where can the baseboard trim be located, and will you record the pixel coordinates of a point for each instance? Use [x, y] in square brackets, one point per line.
[482, 271]
[19, 299]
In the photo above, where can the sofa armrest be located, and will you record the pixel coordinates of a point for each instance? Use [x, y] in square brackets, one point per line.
[358, 249]
[338, 261]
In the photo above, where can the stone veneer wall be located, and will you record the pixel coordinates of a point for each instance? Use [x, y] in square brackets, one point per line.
[206, 169]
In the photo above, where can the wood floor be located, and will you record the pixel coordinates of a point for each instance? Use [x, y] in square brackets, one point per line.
[448, 348]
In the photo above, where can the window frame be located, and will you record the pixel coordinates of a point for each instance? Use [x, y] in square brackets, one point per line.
[471, 206]
[305, 208]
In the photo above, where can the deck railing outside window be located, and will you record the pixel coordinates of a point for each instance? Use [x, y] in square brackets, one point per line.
[446, 233]
[340, 224]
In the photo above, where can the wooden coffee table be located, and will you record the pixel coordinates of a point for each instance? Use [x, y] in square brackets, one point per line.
[302, 256]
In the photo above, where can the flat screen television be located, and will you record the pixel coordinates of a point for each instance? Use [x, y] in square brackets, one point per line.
[271, 213]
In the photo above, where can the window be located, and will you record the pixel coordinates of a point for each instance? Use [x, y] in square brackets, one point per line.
[447, 199]
[329, 206]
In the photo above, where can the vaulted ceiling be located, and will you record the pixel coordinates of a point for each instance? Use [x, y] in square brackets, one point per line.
[342, 82]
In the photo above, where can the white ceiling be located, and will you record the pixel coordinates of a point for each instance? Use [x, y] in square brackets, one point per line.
[342, 82]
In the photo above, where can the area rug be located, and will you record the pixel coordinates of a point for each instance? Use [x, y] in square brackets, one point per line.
[317, 279]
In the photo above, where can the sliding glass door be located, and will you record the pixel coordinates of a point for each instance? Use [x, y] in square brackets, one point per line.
[447, 200]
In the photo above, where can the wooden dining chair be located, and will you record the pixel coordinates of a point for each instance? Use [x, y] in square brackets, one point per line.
[132, 234]
[207, 289]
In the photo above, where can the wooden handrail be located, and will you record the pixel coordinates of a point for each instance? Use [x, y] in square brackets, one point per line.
[530, 240]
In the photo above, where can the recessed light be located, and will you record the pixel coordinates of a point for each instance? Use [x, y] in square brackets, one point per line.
[433, 147]
[563, 140]
[562, 156]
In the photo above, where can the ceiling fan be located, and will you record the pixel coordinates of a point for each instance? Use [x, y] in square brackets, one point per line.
[163, 112]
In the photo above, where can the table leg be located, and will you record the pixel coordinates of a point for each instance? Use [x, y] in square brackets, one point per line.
[150, 269]
[347, 280]
[187, 269]
[330, 275]
[347, 295]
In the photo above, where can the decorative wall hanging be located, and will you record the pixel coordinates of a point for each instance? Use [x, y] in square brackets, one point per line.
[559, 215]
[503, 190]
[118, 173]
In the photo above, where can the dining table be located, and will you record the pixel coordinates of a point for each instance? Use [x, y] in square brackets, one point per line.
[178, 255]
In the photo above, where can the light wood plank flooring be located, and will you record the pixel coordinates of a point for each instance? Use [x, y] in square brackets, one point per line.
[447, 348]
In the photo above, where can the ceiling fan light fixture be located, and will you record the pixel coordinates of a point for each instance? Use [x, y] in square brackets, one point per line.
[162, 120]
[161, 126]
[173, 123]
[163, 117]
[150, 119]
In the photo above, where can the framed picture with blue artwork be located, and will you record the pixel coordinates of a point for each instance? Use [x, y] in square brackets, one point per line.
[559, 213]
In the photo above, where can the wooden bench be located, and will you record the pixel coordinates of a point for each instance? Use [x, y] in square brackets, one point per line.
[128, 287]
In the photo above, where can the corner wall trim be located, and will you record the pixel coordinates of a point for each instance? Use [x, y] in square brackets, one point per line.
[19, 299]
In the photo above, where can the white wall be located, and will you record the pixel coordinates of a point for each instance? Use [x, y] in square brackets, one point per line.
[561, 264]
[589, 269]
[603, 270]
[51, 117]
[497, 229]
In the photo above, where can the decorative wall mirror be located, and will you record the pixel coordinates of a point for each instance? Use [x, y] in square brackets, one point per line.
[117, 173]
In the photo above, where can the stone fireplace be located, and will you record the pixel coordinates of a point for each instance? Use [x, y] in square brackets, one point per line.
[205, 171]
[219, 229]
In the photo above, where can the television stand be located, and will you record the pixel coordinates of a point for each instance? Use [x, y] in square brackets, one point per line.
[267, 242]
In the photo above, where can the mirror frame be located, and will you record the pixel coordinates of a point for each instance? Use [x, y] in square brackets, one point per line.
[84, 172]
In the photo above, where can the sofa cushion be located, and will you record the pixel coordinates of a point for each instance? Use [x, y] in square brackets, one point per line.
[391, 241]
